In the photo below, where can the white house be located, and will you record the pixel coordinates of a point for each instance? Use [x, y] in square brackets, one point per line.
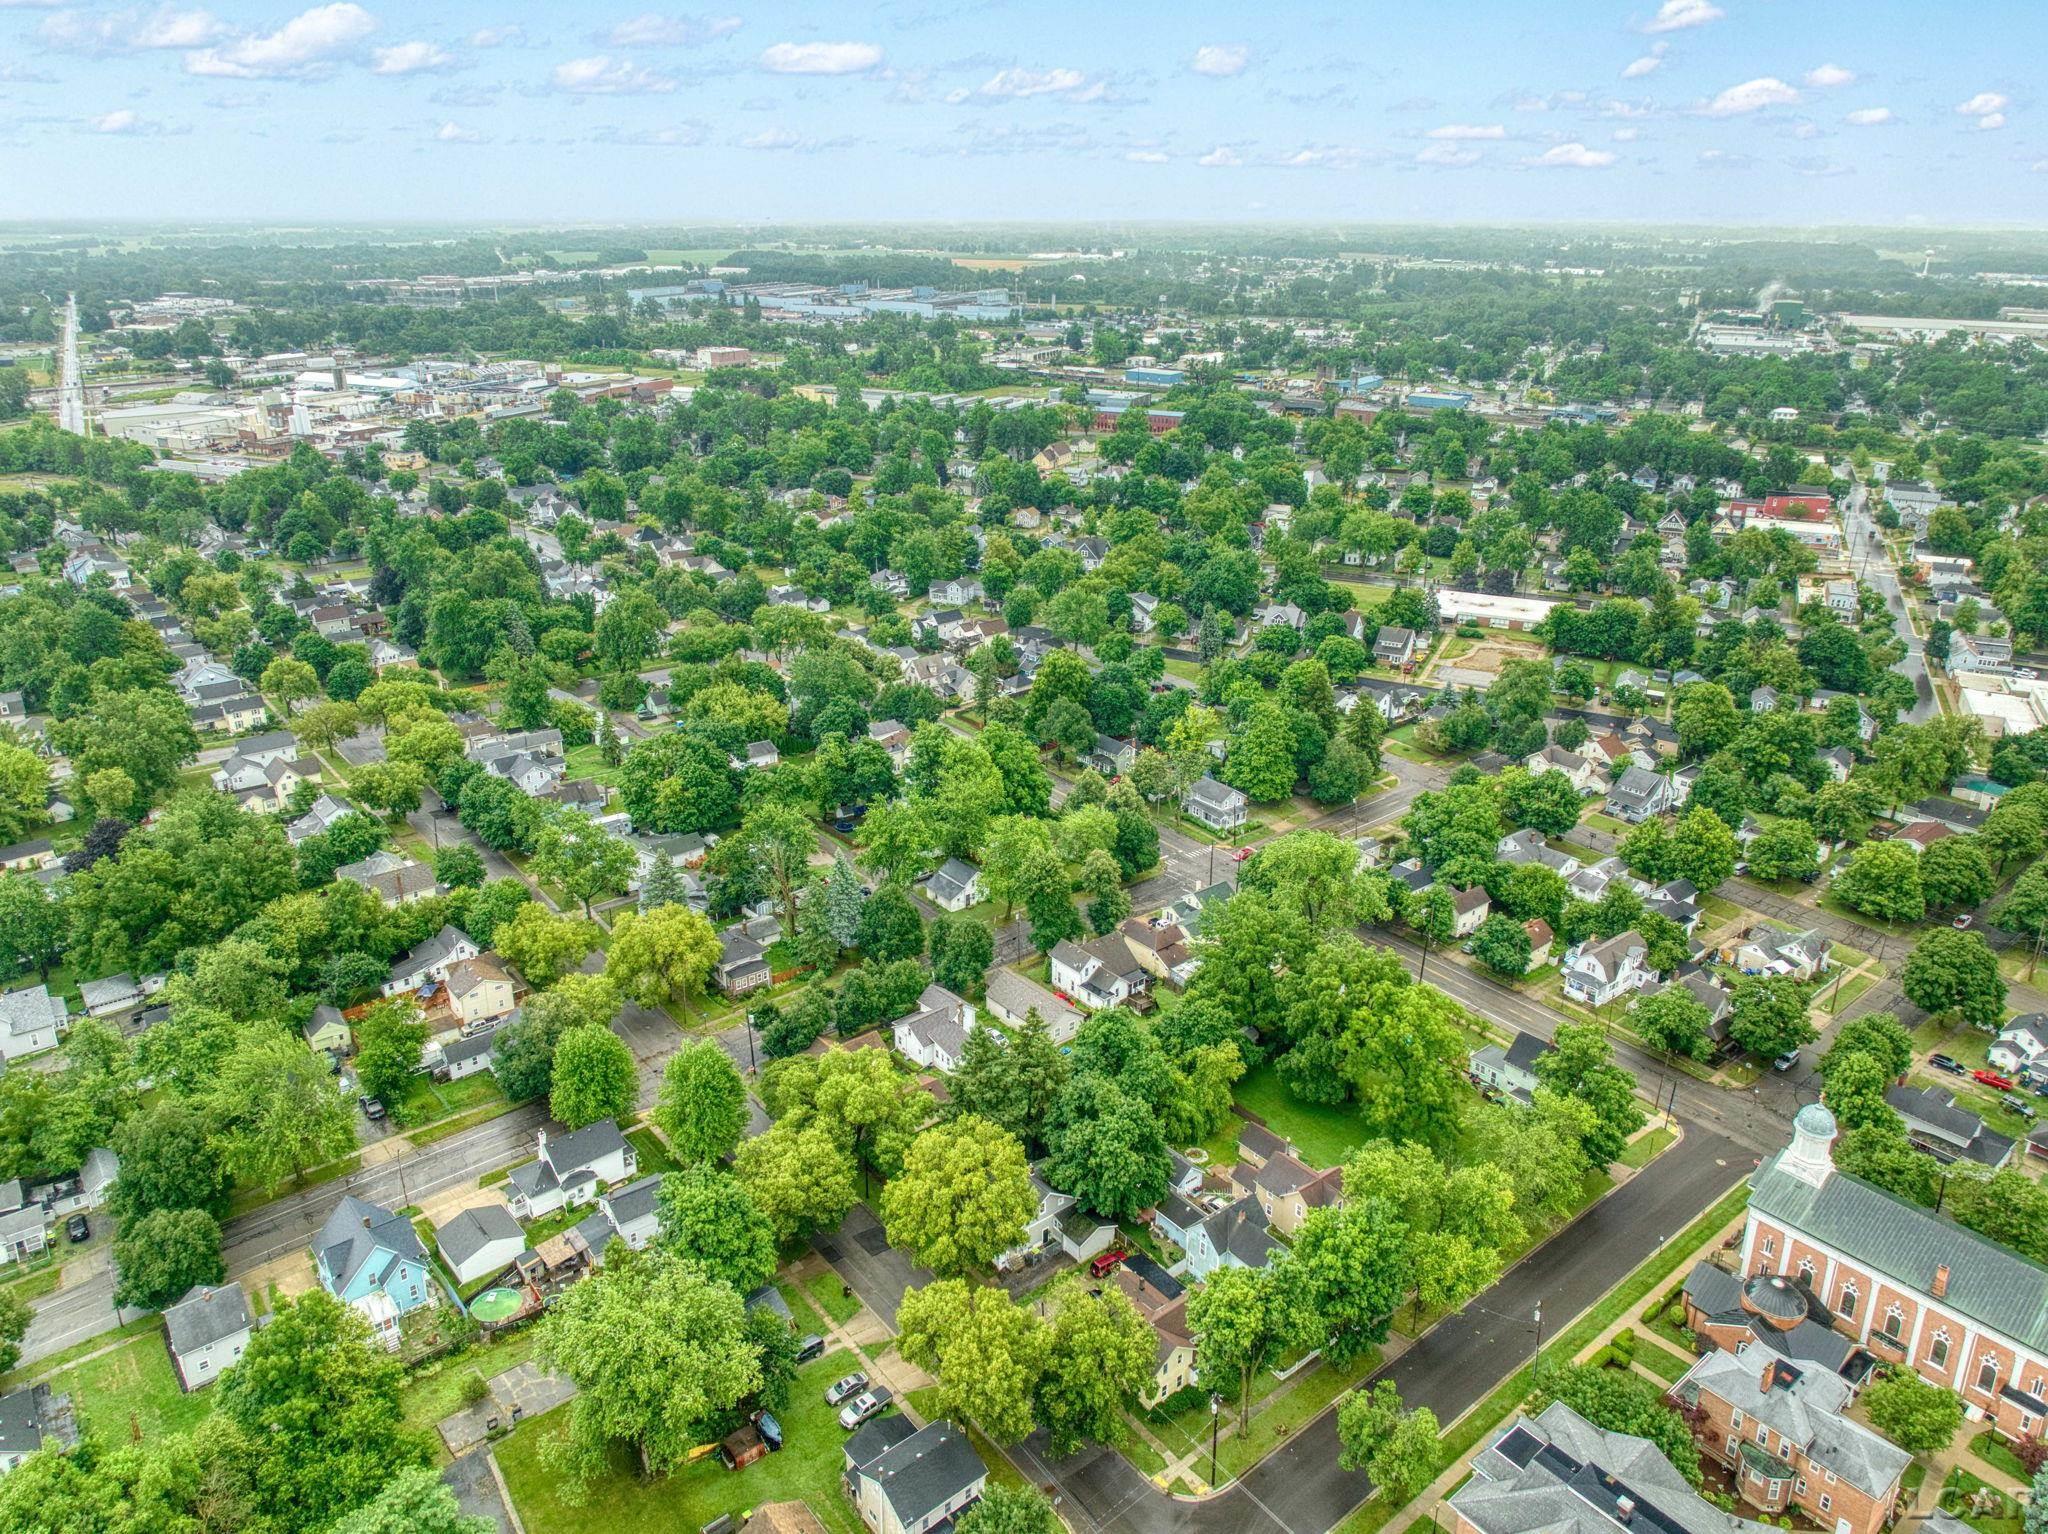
[954, 885]
[1585, 777]
[570, 1169]
[206, 1332]
[479, 1242]
[429, 961]
[1104, 973]
[1216, 805]
[1597, 972]
[933, 1036]
[29, 1020]
[906, 1480]
[2022, 1043]
[1012, 999]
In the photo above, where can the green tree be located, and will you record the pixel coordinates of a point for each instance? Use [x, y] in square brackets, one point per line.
[962, 949]
[1012, 1081]
[25, 790]
[843, 903]
[963, 1198]
[663, 955]
[707, 1216]
[165, 1253]
[702, 1106]
[986, 1349]
[595, 1077]
[415, 1501]
[1770, 1015]
[1099, 1353]
[1620, 1402]
[276, 1111]
[1674, 1021]
[543, 946]
[1261, 758]
[1502, 945]
[1546, 801]
[1107, 1148]
[1877, 1034]
[318, 1410]
[582, 857]
[167, 1162]
[1955, 874]
[890, 927]
[1956, 974]
[799, 1176]
[31, 926]
[1400, 1450]
[1243, 1320]
[1350, 1267]
[389, 1039]
[657, 1349]
[148, 735]
[1882, 880]
[1919, 1417]
[1581, 1066]
[1703, 849]
[1024, 1510]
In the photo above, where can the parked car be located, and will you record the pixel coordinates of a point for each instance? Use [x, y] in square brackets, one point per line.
[2014, 1103]
[1962, 921]
[1944, 1063]
[373, 1108]
[847, 1385]
[1786, 1061]
[1106, 1261]
[1992, 1079]
[2025, 673]
[811, 1347]
[78, 1228]
[1742, 868]
[869, 1403]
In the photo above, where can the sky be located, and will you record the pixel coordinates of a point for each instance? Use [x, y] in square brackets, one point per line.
[1798, 112]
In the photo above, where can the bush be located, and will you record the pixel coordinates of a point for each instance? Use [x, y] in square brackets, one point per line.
[475, 1390]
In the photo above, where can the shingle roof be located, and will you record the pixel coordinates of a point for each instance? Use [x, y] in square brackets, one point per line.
[474, 1229]
[1806, 1406]
[205, 1315]
[925, 1471]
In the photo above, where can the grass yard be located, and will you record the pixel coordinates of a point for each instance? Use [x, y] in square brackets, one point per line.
[436, 1391]
[622, 1502]
[588, 762]
[649, 1153]
[1277, 1421]
[1661, 1361]
[248, 1196]
[1958, 1494]
[1641, 1151]
[828, 1292]
[35, 1284]
[131, 1390]
[1994, 1451]
[428, 1101]
[1324, 1136]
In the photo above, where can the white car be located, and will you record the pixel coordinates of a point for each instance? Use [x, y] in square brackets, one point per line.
[868, 1403]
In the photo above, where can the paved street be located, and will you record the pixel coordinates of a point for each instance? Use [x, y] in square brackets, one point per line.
[70, 382]
[1874, 566]
[861, 1254]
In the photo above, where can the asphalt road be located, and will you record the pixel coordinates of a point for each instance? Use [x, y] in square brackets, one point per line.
[1875, 567]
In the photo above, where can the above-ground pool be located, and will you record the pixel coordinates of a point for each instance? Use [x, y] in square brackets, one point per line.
[495, 1305]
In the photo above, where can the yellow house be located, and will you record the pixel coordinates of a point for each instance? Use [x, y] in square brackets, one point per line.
[1287, 1190]
[479, 990]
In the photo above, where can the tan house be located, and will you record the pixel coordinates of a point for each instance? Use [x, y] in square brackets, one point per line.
[1541, 938]
[1162, 1301]
[479, 990]
[1287, 1189]
[1161, 949]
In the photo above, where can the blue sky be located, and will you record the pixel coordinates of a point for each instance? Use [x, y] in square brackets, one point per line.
[1780, 111]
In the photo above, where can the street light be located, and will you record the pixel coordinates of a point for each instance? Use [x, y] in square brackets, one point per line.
[1215, 1427]
[1539, 1328]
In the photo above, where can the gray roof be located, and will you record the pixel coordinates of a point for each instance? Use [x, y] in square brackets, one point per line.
[474, 1229]
[635, 1201]
[205, 1315]
[1717, 1294]
[1240, 1229]
[1806, 1406]
[875, 1437]
[1016, 994]
[357, 1232]
[28, 1009]
[1933, 1111]
[925, 1471]
[1987, 1284]
[1526, 1050]
[21, 1419]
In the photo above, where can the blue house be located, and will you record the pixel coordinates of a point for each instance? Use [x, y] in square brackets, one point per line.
[371, 1259]
[1233, 1236]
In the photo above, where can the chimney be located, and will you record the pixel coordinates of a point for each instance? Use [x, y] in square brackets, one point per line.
[366, 1222]
[1940, 1285]
[1625, 1509]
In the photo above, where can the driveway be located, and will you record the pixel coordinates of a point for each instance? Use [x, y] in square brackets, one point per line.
[861, 1255]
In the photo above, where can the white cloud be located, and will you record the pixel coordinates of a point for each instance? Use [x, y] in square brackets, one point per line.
[771, 138]
[39, 5]
[602, 75]
[1469, 131]
[1991, 121]
[820, 58]
[123, 121]
[1648, 64]
[1751, 96]
[1983, 104]
[1573, 156]
[1627, 135]
[1222, 154]
[654, 30]
[1677, 15]
[1145, 157]
[497, 37]
[1221, 60]
[1869, 117]
[455, 133]
[1447, 155]
[410, 59]
[1020, 83]
[2040, 167]
[129, 31]
[1330, 156]
[1828, 76]
[307, 42]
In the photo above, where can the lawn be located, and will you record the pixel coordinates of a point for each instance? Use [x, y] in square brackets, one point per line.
[1957, 1493]
[828, 1292]
[1277, 1421]
[588, 762]
[1324, 1136]
[428, 1101]
[436, 1392]
[622, 1502]
[649, 1153]
[246, 1197]
[1640, 1152]
[1994, 1451]
[36, 1283]
[131, 1390]
[1661, 1361]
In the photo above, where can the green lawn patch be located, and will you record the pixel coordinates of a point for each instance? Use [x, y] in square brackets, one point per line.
[428, 1101]
[1274, 1422]
[588, 762]
[828, 1293]
[1958, 1494]
[1140, 1452]
[247, 1197]
[1668, 1366]
[36, 1283]
[649, 1153]
[492, 1179]
[435, 1390]
[131, 1390]
[1641, 1151]
[1323, 1135]
[455, 1123]
[623, 1502]
[1994, 1451]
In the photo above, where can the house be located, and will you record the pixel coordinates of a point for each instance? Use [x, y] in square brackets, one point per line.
[1287, 1188]
[1235, 1236]
[112, 995]
[1781, 1429]
[1112, 757]
[955, 592]
[1922, 834]
[466, 1056]
[371, 1259]
[1397, 648]
[933, 1035]
[1532, 846]
[1934, 1124]
[633, 1212]
[1558, 1473]
[1144, 607]
[29, 1021]
[1058, 1225]
[1099, 974]
[1585, 777]
[32, 1418]
[2022, 1043]
[1712, 995]
[1012, 998]
[206, 1332]
[1161, 946]
[392, 879]
[1639, 793]
[1770, 951]
[479, 1242]
[905, 1482]
[1725, 1310]
[570, 1169]
[1512, 1070]
[1468, 910]
[1162, 1300]
[327, 1031]
[1216, 805]
[1978, 653]
[320, 818]
[28, 856]
[954, 885]
[1595, 973]
[428, 963]
[1910, 1285]
[756, 755]
[479, 990]
[742, 963]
